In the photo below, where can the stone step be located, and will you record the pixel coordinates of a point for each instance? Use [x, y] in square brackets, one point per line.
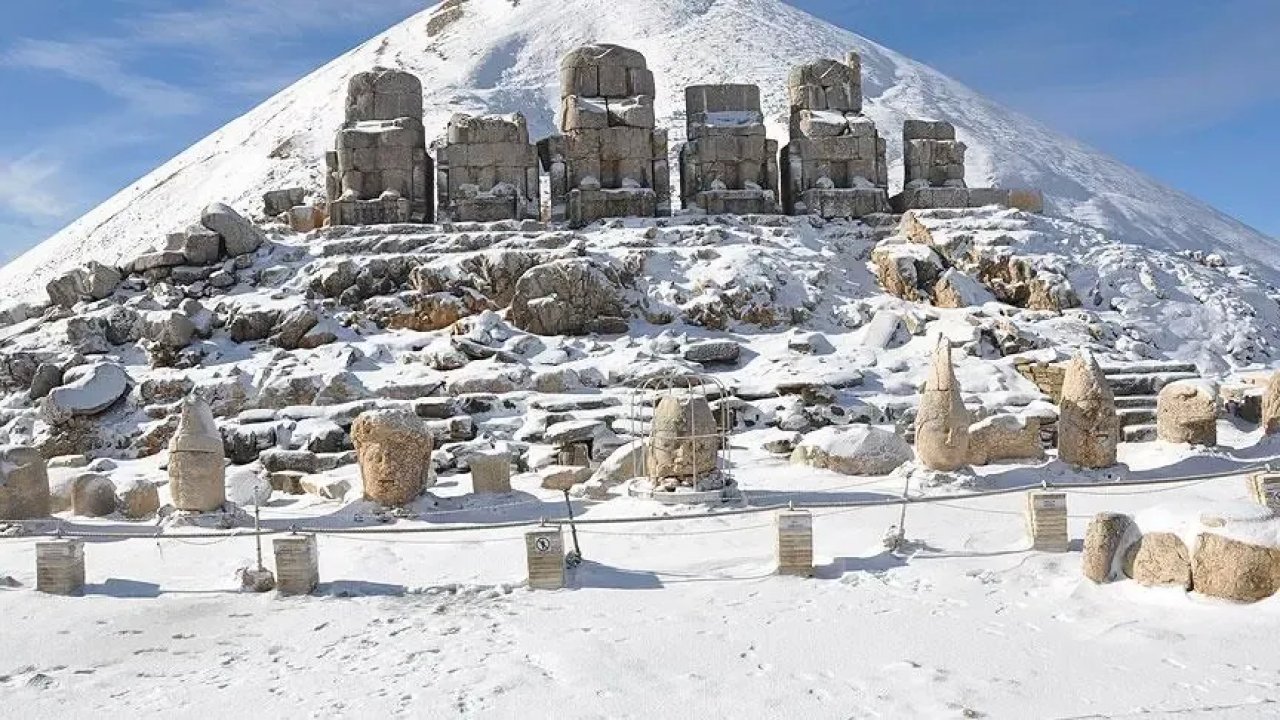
[1130, 417]
[1135, 401]
[1145, 383]
[1149, 367]
[1139, 433]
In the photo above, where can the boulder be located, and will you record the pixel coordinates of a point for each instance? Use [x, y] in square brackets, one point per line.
[293, 325]
[1226, 568]
[713, 352]
[1103, 541]
[87, 390]
[199, 245]
[322, 486]
[562, 477]
[197, 471]
[245, 488]
[942, 422]
[341, 388]
[394, 451]
[957, 290]
[24, 484]
[564, 297]
[248, 324]
[239, 236]
[1159, 559]
[1271, 406]
[885, 331]
[1088, 427]
[623, 464]
[853, 450]
[93, 495]
[1004, 437]
[684, 442]
[1187, 412]
[47, 377]
[170, 328]
[137, 498]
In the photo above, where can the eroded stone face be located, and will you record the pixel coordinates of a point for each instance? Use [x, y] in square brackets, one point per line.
[1088, 427]
[394, 451]
[685, 441]
[942, 422]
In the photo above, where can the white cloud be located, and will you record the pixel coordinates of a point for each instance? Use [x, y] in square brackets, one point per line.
[94, 63]
[33, 188]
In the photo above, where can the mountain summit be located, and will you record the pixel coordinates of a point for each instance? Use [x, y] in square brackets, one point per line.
[502, 56]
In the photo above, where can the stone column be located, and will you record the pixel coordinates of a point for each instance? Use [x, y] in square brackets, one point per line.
[197, 472]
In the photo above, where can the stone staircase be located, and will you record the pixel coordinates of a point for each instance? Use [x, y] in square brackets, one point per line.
[1136, 386]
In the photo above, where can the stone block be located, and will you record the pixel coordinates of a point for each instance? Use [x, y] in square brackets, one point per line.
[297, 564]
[928, 130]
[636, 112]
[490, 472]
[845, 203]
[278, 202]
[1047, 521]
[60, 567]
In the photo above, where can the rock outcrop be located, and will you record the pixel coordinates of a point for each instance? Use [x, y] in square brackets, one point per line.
[942, 422]
[1088, 427]
[564, 297]
[394, 451]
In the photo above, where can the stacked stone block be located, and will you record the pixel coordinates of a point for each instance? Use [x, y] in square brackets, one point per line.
[728, 166]
[834, 165]
[381, 172]
[486, 170]
[933, 174]
[610, 160]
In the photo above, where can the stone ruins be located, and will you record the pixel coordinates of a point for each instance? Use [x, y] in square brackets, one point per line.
[197, 473]
[834, 165]
[942, 422]
[393, 448]
[486, 170]
[1088, 427]
[380, 172]
[728, 166]
[933, 173]
[684, 448]
[610, 160]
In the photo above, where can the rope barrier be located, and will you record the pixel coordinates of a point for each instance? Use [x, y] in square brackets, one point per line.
[846, 505]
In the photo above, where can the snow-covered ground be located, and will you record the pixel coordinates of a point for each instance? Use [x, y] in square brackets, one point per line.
[678, 619]
[501, 56]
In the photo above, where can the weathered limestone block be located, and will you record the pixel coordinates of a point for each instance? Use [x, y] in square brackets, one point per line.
[728, 165]
[1103, 542]
[197, 473]
[562, 477]
[1271, 406]
[853, 450]
[239, 235]
[94, 281]
[942, 422]
[933, 156]
[394, 451]
[490, 472]
[827, 85]
[24, 484]
[1234, 570]
[487, 170]
[685, 441]
[1159, 559]
[93, 495]
[957, 290]
[382, 94]
[278, 202]
[1187, 412]
[1088, 427]
[1004, 437]
[564, 297]
[611, 161]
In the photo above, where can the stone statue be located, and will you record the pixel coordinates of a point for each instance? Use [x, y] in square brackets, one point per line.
[394, 451]
[24, 484]
[1088, 427]
[486, 170]
[942, 422]
[834, 165]
[684, 447]
[197, 473]
[610, 160]
[728, 166]
[381, 172]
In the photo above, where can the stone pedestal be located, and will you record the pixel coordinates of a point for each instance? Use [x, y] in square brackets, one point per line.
[1047, 521]
[490, 472]
[60, 567]
[795, 543]
[544, 549]
[297, 564]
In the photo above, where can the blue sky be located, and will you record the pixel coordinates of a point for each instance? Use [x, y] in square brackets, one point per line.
[99, 92]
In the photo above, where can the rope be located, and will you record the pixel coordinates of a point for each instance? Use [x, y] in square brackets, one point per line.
[1097, 489]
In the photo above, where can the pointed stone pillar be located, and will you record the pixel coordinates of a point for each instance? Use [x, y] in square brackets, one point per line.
[1088, 427]
[942, 422]
[197, 471]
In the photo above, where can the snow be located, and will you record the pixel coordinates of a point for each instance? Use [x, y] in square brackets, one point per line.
[500, 56]
[681, 618]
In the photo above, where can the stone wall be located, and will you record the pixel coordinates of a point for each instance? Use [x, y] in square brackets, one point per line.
[728, 165]
[486, 170]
